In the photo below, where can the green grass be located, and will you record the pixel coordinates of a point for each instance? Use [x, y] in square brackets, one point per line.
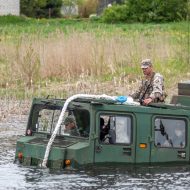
[14, 27]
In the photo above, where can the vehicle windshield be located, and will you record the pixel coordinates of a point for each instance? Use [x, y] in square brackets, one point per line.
[44, 119]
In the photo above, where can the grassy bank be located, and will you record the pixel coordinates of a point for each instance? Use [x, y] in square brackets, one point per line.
[63, 57]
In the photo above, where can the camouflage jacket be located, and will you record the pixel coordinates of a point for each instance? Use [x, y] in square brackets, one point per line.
[74, 132]
[152, 87]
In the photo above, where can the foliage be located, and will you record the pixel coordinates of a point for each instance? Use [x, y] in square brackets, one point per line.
[116, 13]
[72, 2]
[147, 11]
[46, 54]
[87, 7]
[41, 8]
[52, 8]
[27, 64]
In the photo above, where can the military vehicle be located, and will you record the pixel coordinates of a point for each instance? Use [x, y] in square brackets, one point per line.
[111, 131]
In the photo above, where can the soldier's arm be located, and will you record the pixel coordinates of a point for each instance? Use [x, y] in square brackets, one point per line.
[157, 86]
[136, 94]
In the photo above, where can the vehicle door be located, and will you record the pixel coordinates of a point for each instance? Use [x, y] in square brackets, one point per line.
[170, 139]
[116, 138]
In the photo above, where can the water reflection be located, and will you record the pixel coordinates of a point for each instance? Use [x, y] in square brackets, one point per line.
[141, 177]
[13, 176]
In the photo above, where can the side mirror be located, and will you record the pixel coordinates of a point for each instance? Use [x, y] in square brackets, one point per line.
[112, 136]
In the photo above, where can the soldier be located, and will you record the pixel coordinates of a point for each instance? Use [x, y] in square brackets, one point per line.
[104, 129]
[70, 126]
[152, 87]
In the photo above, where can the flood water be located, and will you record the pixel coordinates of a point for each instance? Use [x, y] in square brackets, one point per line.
[13, 176]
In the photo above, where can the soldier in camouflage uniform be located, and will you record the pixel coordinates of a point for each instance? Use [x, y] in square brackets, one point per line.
[152, 87]
[70, 126]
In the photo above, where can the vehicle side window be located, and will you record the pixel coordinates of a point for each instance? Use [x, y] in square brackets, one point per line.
[170, 132]
[115, 129]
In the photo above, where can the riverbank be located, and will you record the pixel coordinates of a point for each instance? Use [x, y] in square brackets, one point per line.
[118, 86]
[9, 107]
[59, 57]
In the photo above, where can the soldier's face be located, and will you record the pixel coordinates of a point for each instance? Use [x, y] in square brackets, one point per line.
[70, 126]
[147, 71]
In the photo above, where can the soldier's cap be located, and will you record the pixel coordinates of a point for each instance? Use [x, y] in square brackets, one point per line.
[146, 63]
[70, 119]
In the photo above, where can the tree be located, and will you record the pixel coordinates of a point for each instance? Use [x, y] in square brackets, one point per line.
[147, 11]
[41, 8]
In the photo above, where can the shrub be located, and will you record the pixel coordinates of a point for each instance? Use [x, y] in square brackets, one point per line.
[170, 10]
[116, 13]
[87, 7]
[41, 8]
[147, 11]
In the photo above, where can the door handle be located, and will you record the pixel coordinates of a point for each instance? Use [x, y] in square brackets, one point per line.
[181, 154]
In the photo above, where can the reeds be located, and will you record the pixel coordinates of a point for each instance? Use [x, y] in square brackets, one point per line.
[9, 106]
[82, 62]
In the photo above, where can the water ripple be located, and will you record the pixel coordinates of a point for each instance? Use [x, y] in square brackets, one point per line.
[106, 177]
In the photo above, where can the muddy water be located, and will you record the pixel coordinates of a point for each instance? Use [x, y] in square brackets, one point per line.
[13, 176]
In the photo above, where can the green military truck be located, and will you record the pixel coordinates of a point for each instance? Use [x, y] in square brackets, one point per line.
[110, 132]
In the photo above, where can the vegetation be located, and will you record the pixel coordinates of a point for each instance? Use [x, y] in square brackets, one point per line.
[147, 11]
[41, 8]
[126, 11]
[52, 8]
[62, 57]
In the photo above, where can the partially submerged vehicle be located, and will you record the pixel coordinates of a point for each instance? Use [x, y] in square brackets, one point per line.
[111, 131]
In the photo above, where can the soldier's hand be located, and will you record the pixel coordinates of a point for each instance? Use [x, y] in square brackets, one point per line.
[147, 101]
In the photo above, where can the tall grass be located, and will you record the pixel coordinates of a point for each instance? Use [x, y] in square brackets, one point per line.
[72, 60]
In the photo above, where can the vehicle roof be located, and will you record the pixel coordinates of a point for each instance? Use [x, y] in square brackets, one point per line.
[112, 102]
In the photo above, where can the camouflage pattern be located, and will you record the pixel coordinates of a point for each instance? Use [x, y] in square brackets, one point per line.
[152, 87]
[69, 119]
[146, 63]
[74, 132]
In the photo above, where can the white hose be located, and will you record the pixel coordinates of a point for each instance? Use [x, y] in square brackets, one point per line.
[61, 118]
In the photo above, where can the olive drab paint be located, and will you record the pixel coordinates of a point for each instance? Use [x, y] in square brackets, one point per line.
[130, 134]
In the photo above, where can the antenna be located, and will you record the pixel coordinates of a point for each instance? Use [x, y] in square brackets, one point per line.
[188, 30]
